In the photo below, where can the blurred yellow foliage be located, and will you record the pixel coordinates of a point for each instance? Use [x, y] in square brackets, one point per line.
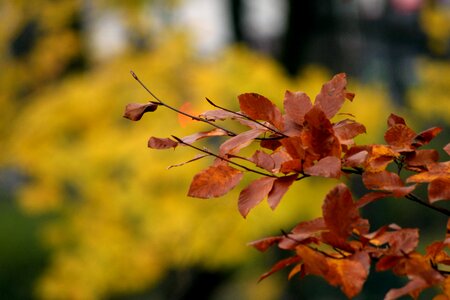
[123, 219]
[435, 21]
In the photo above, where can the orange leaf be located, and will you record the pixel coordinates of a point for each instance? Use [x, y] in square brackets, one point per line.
[296, 105]
[394, 119]
[400, 137]
[294, 147]
[161, 143]
[339, 211]
[215, 181]
[329, 167]
[236, 143]
[426, 136]
[200, 135]
[280, 265]
[419, 160]
[265, 243]
[414, 285]
[438, 170]
[346, 130]
[379, 157]
[439, 189]
[447, 148]
[280, 187]
[135, 111]
[332, 95]
[259, 107]
[386, 181]
[254, 193]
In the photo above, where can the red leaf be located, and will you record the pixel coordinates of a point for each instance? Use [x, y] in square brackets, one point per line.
[346, 130]
[215, 181]
[370, 197]
[394, 119]
[329, 167]
[386, 181]
[200, 135]
[439, 189]
[254, 193]
[135, 111]
[236, 143]
[294, 147]
[263, 160]
[161, 143]
[280, 265]
[265, 243]
[339, 211]
[332, 95]
[320, 135]
[259, 107]
[426, 136]
[296, 105]
[400, 137]
[419, 160]
[280, 187]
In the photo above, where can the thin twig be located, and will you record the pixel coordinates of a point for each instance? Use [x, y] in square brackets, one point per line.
[415, 198]
[223, 158]
[247, 117]
[160, 102]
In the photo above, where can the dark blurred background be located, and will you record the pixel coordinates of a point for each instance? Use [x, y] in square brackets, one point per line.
[88, 212]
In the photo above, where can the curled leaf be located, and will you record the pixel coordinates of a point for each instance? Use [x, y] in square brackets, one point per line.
[135, 111]
[254, 193]
[161, 143]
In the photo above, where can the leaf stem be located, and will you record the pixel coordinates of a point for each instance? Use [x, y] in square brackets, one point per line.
[416, 199]
[223, 158]
[247, 117]
[160, 102]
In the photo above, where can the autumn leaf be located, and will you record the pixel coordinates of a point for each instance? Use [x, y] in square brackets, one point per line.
[447, 148]
[236, 143]
[280, 265]
[200, 135]
[135, 111]
[400, 137]
[218, 114]
[263, 160]
[439, 189]
[414, 285]
[386, 181]
[259, 107]
[339, 211]
[347, 129]
[426, 136]
[161, 143]
[280, 187]
[419, 160]
[254, 193]
[438, 176]
[215, 181]
[332, 95]
[265, 243]
[296, 105]
[379, 157]
[320, 135]
[394, 119]
[370, 197]
[329, 167]
[294, 147]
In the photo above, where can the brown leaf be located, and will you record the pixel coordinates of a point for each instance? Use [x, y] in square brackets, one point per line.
[426, 136]
[265, 243]
[294, 147]
[379, 157]
[259, 107]
[401, 241]
[293, 165]
[419, 160]
[254, 193]
[347, 129]
[296, 105]
[238, 142]
[332, 95]
[215, 181]
[280, 187]
[438, 170]
[329, 167]
[400, 137]
[394, 119]
[270, 144]
[218, 114]
[135, 111]
[356, 156]
[339, 211]
[439, 189]
[370, 197]
[280, 265]
[320, 136]
[161, 143]
[200, 135]
[386, 181]
[263, 160]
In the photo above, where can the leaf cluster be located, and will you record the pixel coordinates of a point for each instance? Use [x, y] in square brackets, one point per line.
[305, 141]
